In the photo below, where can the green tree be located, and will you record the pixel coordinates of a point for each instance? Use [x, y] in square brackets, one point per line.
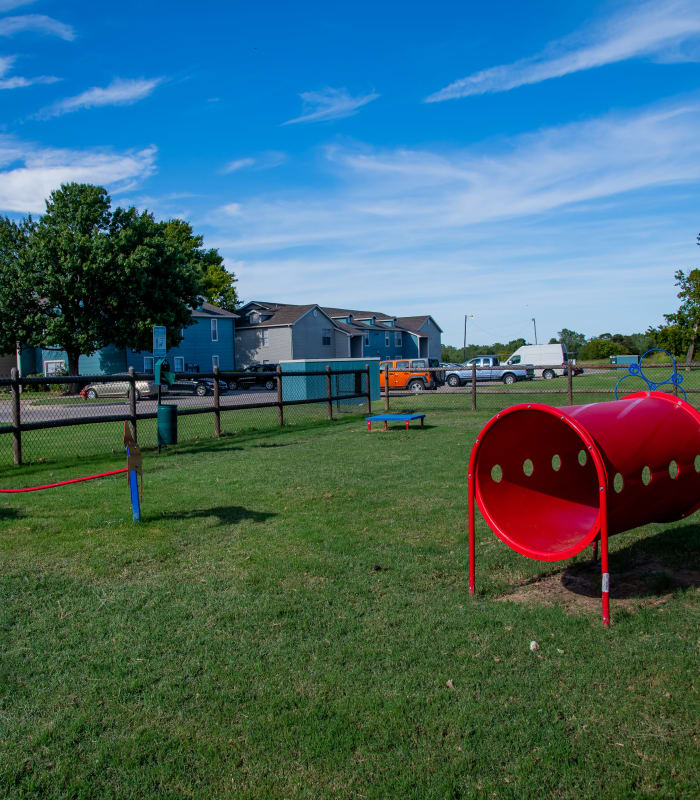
[216, 282]
[99, 276]
[598, 349]
[20, 307]
[572, 340]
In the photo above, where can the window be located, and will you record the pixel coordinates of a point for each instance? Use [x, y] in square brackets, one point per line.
[326, 334]
[215, 330]
[398, 339]
[52, 367]
[514, 360]
[265, 337]
[214, 361]
[386, 339]
[148, 364]
[402, 365]
[179, 364]
[367, 339]
[419, 362]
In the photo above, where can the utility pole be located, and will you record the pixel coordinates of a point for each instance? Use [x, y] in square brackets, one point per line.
[534, 325]
[464, 354]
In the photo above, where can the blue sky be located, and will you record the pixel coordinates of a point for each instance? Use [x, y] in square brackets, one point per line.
[508, 160]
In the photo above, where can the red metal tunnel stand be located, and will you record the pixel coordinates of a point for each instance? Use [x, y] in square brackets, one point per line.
[550, 481]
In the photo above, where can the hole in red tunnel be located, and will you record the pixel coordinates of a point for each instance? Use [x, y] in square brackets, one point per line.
[548, 513]
[673, 470]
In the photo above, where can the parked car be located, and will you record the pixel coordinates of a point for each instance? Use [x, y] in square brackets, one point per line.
[256, 375]
[488, 368]
[198, 386]
[414, 374]
[223, 386]
[119, 387]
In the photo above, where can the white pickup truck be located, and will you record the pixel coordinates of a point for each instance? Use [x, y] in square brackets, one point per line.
[488, 368]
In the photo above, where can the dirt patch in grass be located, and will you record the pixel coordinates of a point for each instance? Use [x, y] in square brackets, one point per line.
[577, 588]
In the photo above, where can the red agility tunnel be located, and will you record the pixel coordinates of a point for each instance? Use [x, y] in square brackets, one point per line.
[550, 481]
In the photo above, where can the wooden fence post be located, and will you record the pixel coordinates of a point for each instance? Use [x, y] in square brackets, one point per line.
[16, 418]
[369, 390]
[570, 372]
[329, 393]
[132, 402]
[386, 386]
[474, 386]
[217, 404]
[280, 406]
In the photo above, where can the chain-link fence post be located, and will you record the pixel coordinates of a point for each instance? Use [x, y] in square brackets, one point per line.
[16, 418]
[217, 404]
[570, 373]
[329, 393]
[386, 386]
[369, 390]
[280, 406]
[132, 402]
[474, 386]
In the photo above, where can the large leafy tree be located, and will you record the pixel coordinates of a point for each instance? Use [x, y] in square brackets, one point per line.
[97, 276]
[20, 308]
[216, 282]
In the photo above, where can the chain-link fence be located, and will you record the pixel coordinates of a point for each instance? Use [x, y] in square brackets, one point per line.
[50, 418]
[482, 389]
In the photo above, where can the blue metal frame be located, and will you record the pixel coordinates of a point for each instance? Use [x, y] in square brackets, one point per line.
[636, 371]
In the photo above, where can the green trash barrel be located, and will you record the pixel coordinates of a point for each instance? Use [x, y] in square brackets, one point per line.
[167, 424]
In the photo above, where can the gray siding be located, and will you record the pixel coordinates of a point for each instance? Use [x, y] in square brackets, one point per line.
[307, 337]
[342, 345]
[434, 339]
[250, 348]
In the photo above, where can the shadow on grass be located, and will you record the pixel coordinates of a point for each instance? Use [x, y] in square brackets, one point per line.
[654, 566]
[7, 514]
[227, 515]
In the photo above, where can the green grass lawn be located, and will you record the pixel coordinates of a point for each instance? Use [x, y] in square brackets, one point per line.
[285, 621]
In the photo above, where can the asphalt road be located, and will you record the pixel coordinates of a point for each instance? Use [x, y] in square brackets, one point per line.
[36, 408]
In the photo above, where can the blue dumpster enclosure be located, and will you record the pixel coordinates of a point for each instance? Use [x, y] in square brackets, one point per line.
[313, 387]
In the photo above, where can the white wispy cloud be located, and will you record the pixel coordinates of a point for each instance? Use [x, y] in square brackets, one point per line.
[118, 93]
[330, 104]
[657, 28]
[240, 163]
[8, 5]
[16, 81]
[548, 216]
[267, 160]
[29, 172]
[36, 23]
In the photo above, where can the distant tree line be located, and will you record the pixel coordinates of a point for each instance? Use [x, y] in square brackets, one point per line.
[679, 335]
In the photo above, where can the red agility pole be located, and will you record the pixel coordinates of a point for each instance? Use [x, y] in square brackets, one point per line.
[550, 481]
[64, 483]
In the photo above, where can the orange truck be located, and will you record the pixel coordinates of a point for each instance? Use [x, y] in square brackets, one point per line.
[413, 374]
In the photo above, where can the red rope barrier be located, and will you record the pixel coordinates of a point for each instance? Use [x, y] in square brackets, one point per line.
[63, 483]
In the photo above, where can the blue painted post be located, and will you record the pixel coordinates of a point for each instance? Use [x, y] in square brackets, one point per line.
[134, 489]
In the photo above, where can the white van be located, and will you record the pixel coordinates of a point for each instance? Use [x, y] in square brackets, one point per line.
[548, 357]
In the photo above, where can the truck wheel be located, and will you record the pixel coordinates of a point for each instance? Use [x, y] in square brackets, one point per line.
[233, 385]
[270, 385]
[91, 394]
[548, 374]
[415, 386]
[453, 380]
[200, 389]
[509, 378]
